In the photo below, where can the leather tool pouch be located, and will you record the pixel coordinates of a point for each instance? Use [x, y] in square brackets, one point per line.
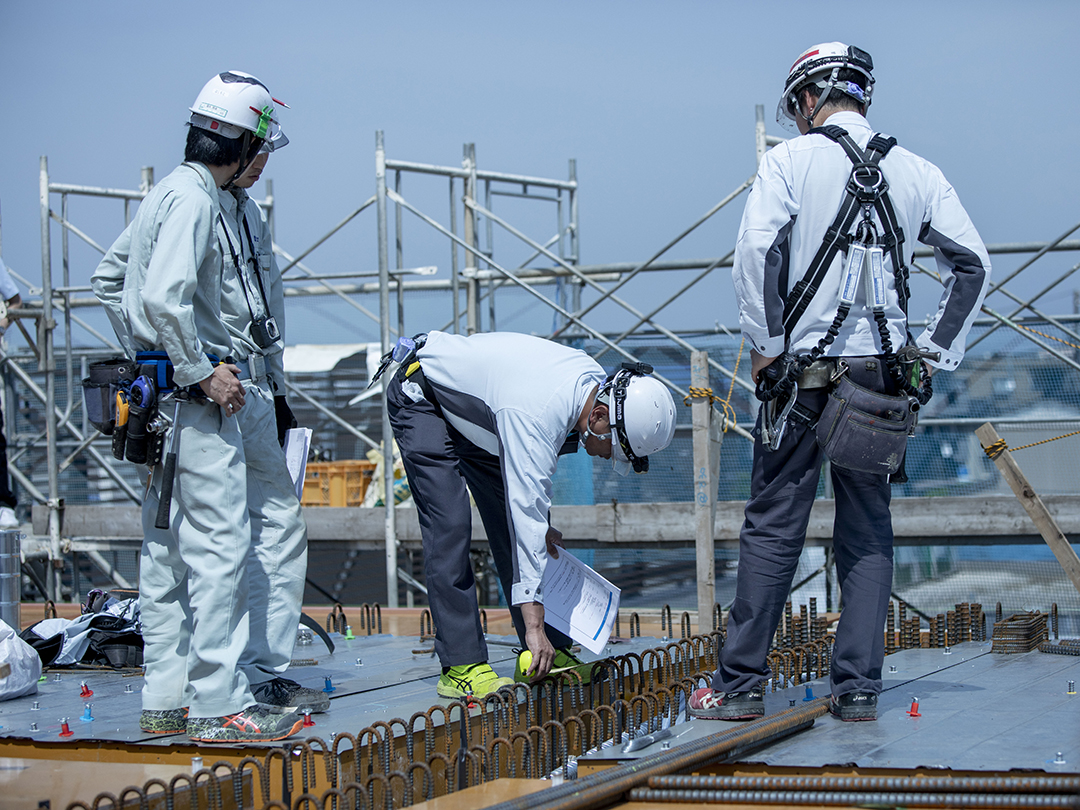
[863, 430]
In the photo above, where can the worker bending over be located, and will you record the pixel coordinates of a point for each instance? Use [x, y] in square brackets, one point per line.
[493, 412]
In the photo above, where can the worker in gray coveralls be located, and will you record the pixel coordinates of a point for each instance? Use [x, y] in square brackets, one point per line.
[822, 285]
[220, 590]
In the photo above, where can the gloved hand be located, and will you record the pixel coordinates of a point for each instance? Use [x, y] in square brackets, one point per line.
[285, 418]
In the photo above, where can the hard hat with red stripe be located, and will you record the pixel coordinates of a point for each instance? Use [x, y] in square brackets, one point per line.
[822, 65]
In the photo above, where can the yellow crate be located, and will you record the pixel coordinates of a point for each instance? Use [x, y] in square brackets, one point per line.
[337, 483]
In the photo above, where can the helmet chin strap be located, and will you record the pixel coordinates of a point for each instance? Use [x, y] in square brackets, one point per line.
[245, 161]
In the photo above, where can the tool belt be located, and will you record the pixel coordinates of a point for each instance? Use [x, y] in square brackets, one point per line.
[121, 400]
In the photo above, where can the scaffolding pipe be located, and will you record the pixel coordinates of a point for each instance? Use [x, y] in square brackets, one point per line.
[45, 341]
[331, 232]
[1006, 321]
[454, 290]
[469, 248]
[703, 218]
[384, 313]
[472, 286]
[333, 417]
[1030, 301]
[678, 341]
[42, 396]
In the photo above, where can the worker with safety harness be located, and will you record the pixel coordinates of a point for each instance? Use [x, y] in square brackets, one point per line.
[822, 282]
[196, 305]
[494, 412]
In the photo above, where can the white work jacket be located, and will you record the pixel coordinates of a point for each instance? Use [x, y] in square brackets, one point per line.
[241, 300]
[160, 282]
[799, 188]
[518, 397]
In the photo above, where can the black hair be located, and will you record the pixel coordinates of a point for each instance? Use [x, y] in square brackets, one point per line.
[211, 148]
[839, 99]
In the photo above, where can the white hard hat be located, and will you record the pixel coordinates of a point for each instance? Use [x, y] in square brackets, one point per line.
[233, 103]
[821, 65]
[642, 417]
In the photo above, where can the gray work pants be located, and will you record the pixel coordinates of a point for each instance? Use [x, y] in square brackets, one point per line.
[439, 462]
[782, 489]
[221, 589]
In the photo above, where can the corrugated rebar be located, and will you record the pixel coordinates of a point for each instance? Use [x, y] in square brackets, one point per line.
[795, 798]
[901, 784]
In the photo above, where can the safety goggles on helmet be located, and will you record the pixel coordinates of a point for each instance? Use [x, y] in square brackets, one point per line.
[235, 104]
[821, 66]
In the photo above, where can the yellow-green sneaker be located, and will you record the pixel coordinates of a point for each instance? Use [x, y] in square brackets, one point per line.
[565, 661]
[475, 679]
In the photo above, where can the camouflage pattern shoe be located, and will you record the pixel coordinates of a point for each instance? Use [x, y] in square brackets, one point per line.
[256, 723]
[166, 721]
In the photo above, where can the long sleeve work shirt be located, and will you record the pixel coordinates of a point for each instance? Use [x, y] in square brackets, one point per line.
[517, 397]
[798, 190]
[160, 282]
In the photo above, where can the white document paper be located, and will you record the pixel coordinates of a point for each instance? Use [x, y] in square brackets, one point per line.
[579, 601]
[297, 441]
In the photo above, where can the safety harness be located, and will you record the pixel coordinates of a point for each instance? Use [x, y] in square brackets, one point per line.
[866, 193]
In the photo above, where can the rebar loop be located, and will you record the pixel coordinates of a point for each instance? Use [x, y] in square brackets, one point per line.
[335, 619]
[427, 627]
[667, 629]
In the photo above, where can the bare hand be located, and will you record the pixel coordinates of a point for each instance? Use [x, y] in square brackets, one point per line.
[758, 363]
[554, 542]
[543, 654]
[224, 388]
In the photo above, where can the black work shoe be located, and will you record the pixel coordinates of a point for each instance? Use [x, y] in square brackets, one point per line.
[707, 704]
[854, 706]
[286, 695]
[253, 724]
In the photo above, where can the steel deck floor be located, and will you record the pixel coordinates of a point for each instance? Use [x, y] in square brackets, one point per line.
[979, 711]
[391, 681]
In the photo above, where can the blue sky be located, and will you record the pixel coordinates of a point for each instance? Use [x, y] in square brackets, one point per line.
[654, 100]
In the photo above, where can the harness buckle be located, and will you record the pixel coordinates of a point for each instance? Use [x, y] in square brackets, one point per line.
[867, 182]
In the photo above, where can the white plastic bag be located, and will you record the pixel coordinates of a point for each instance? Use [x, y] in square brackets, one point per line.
[24, 661]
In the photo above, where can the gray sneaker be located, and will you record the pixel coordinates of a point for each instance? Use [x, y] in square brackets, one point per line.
[281, 693]
[253, 724]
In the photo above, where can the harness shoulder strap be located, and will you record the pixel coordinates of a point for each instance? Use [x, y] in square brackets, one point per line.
[836, 236]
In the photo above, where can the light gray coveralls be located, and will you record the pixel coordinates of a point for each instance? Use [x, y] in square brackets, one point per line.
[220, 591]
[504, 405]
[797, 192]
